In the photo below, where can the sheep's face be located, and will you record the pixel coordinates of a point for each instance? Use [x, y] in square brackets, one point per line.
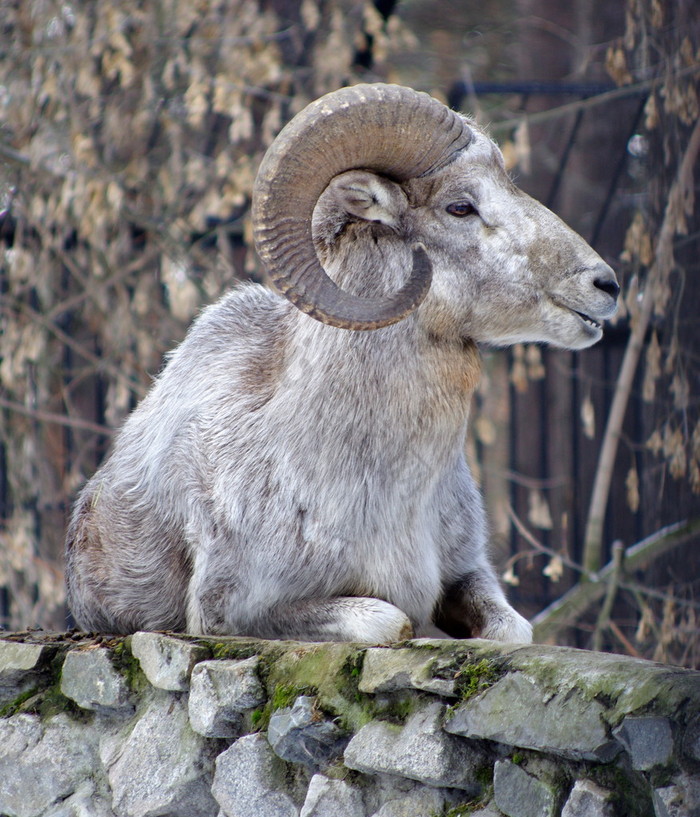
[505, 268]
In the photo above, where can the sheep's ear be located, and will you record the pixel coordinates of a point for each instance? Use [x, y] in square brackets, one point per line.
[369, 197]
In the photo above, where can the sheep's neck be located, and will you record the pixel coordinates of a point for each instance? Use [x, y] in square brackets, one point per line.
[396, 386]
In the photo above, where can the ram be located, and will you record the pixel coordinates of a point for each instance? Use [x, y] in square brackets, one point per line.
[300, 472]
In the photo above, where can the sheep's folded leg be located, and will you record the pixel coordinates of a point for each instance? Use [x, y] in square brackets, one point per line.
[475, 606]
[342, 618]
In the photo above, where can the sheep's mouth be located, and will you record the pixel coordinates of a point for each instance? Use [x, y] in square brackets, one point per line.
[588, 320]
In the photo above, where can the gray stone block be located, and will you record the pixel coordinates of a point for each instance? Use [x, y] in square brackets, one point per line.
[299, 734]
[17, 658]
[89, 678]
[332, 798]
[84, 802]
[21, 666]
[220, 691]
[587, 799]
[250, 781]
[691, 739]
[680, 799]
[420, 750]
[41, 764]
[513, 711]
[425, 802]
[162, 766]
[648, 741]
[388, 670]
[518, 794]
[167, 662]
[383, 788]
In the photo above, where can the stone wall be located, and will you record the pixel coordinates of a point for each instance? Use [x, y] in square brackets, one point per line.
[189, 727]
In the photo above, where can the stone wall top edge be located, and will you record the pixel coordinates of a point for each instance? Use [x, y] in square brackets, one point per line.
[517, 657]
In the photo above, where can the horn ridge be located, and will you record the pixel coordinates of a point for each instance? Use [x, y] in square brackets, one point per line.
[388, 129]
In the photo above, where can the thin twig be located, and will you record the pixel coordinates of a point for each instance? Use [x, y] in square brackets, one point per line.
[57, 419]
[87, 292]
[622, 638]
[525, 533]
[613, 584]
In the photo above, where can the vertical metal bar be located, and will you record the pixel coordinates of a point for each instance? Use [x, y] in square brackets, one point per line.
[615, 178]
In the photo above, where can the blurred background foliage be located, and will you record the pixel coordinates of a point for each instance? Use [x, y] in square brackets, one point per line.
[130, 134]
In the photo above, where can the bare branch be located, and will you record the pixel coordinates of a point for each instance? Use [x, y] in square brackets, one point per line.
[58, 419]
[571, 606]
[613, 585]
[601, 487]
[525, 533]
[584, 104]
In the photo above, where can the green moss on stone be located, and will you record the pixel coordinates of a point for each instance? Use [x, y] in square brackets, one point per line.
[328, 671]
[467, 809]
[473, 678]
[622, 685]
[464, 810]
[232, 651]
[13, 707]
[128, 666]
[284, 695]
[260, 718]
[396, 708]
[52, 702]
[45, 698]
[45, 703]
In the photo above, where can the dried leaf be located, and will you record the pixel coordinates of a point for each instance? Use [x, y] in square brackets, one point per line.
[555, 569]
[616, 66]
[521, 145]
[510, 577]
[485, 430]
[310, 14]
[535, 367]
[647, 624]
[20, 265]
[674, 451]
[681, 99]
[651, 112]
[638, 245]
[538, 511]
[681, 391]
[518, 372]
[509, 157]
[588, 417]
[686, 52]
[655, 442]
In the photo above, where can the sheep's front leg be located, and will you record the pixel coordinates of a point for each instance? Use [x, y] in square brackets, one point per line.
[474, 606]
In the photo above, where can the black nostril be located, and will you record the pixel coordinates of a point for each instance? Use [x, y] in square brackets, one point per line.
[608, 285]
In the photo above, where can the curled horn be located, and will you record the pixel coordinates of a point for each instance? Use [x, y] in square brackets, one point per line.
[389, 129]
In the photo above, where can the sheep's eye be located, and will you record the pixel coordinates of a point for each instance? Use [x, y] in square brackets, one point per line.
[461, 209]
